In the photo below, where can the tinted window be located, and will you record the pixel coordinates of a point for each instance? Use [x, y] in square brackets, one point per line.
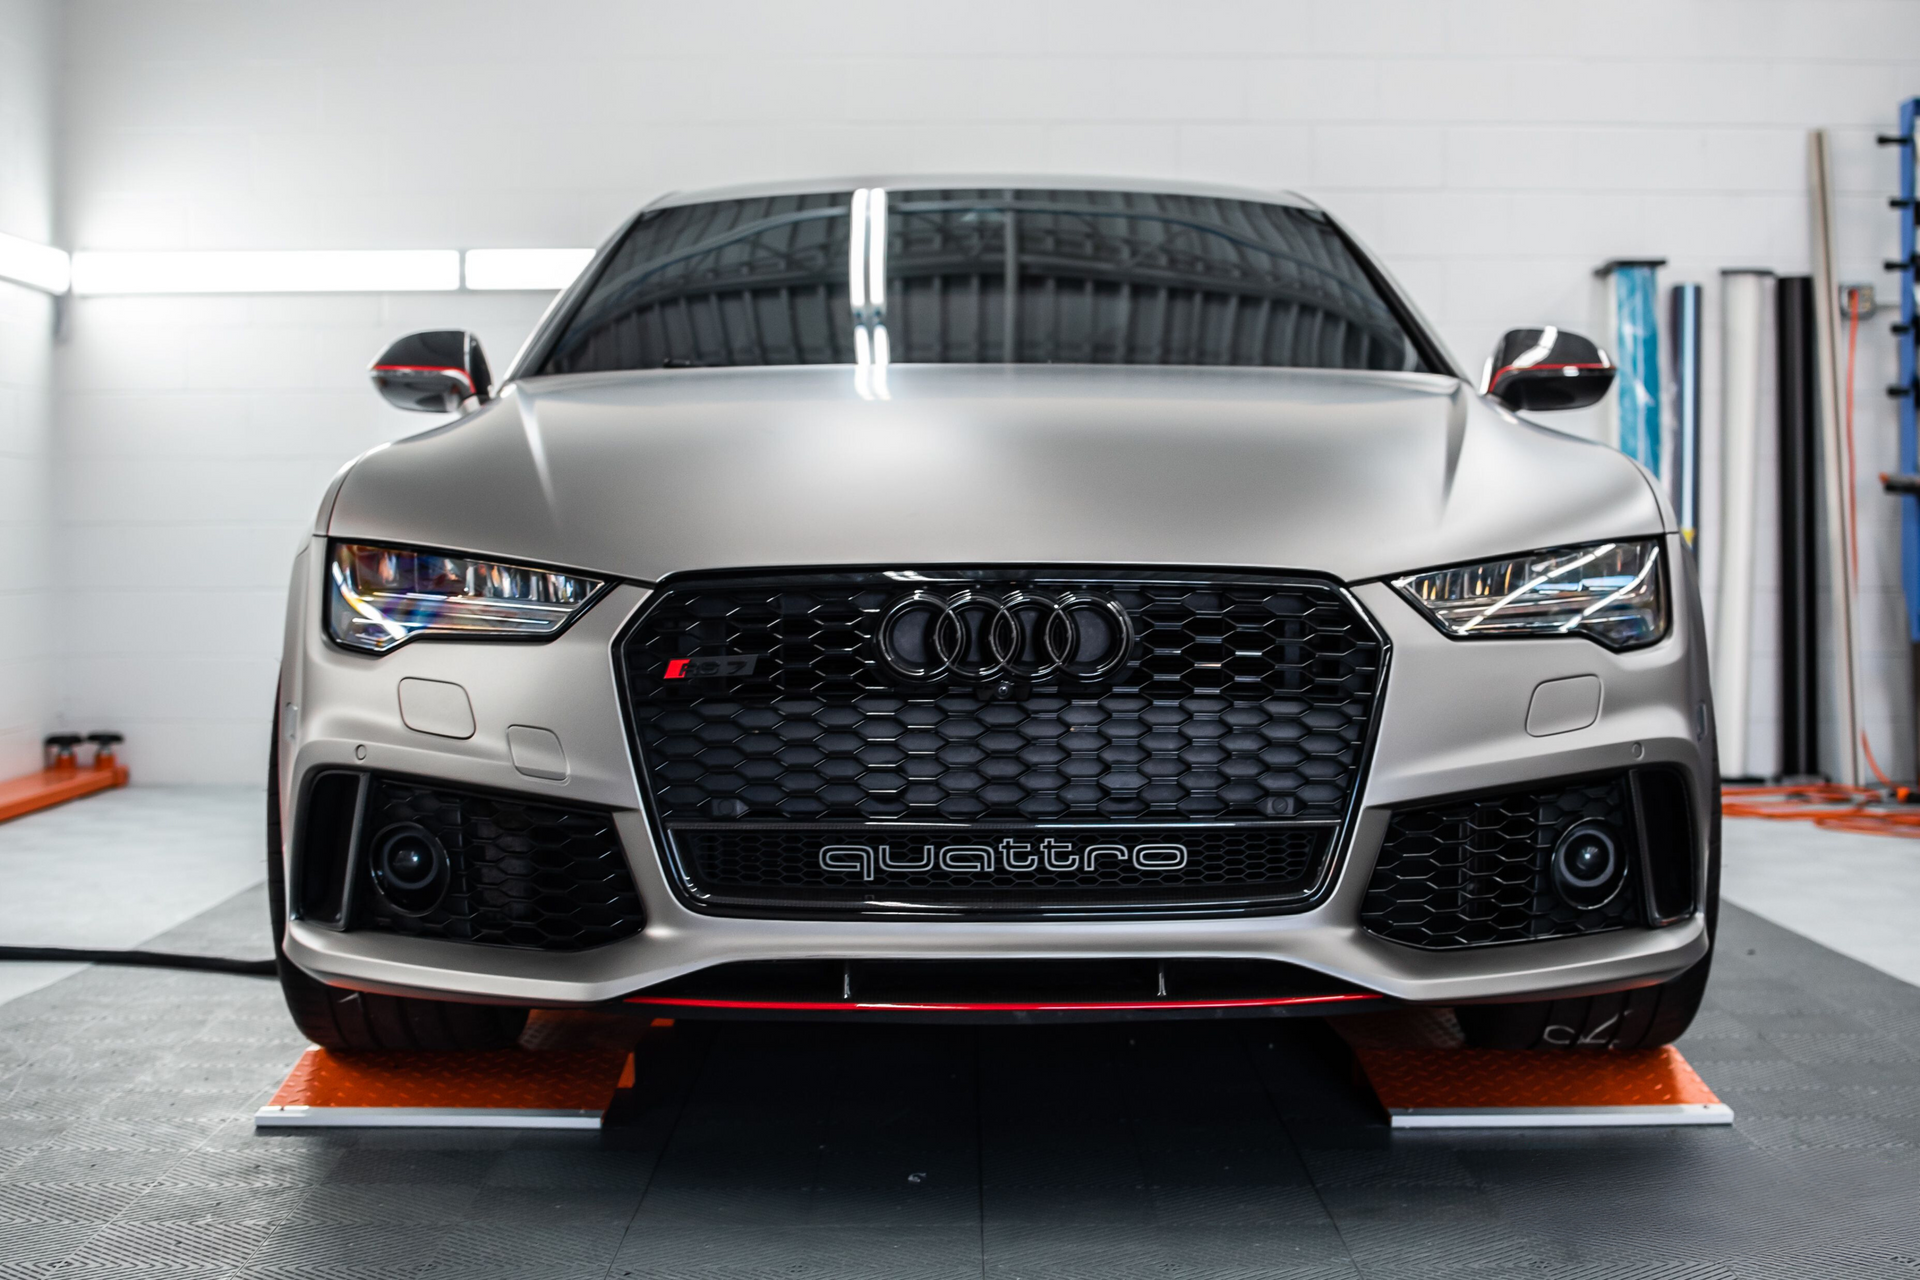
[1031, 276]
[760, 281]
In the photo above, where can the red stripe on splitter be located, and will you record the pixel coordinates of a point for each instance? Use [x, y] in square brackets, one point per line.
[992, 1006]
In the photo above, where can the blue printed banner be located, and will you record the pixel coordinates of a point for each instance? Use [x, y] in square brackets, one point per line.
[1637, 352]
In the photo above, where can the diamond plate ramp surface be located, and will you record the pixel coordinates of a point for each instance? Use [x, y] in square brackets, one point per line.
[1481, 1088]
[564, 1076]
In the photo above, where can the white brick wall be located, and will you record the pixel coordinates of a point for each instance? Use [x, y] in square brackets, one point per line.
[198, 434]
[28, 676]
[1493, 151]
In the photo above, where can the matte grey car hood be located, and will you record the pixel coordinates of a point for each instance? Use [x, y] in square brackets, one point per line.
[645, 474]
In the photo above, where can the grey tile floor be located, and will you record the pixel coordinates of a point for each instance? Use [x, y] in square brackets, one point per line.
[1182, 1150]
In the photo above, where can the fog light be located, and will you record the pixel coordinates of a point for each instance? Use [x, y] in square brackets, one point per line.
[410, 868]
[1588, 868]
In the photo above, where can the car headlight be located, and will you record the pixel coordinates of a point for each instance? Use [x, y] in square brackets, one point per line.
[1614, 593]
[380, 597]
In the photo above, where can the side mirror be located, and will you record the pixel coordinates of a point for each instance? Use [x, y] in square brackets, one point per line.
[1546, 369]
[433, 372]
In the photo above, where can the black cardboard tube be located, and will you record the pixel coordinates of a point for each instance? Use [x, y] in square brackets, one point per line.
[1799, 599]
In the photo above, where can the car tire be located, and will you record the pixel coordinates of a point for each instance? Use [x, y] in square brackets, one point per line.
[334, 1018]
[1644, 1018]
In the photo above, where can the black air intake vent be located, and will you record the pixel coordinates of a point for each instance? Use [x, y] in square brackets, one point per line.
[519, 873]
[1666, 831]
[1479, 869]
[434, 861]
[321, 855]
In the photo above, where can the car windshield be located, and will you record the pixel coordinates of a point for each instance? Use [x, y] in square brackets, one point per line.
[984, 276]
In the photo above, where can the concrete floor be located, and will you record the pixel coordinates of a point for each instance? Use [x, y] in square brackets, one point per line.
[115, 870]
[1858, 894]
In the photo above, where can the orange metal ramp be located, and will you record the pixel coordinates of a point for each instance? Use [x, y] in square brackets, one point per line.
[1426, 1078]
[43, 790]
[564, 1074]
[569, 1069]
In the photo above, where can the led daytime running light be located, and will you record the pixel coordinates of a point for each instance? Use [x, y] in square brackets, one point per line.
[1613, 593]
[381, 597]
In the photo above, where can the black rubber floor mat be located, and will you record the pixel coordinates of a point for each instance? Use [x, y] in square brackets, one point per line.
[793, 1150]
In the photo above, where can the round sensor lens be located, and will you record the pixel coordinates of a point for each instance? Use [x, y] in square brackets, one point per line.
[409, 863]
[1587, 867]
[409, 868]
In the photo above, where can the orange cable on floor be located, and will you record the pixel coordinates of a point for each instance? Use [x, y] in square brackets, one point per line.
[1864, 810]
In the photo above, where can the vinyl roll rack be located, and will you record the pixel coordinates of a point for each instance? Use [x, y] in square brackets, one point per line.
[1906, 485]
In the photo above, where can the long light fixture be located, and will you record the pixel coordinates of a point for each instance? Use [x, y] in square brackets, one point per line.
[37, 266]
[268, 271]
[531, 269]
[308, 270]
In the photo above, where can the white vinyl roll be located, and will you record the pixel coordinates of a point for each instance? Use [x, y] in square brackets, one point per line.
[1744, 342]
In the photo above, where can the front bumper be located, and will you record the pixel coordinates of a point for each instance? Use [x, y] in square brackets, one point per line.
[1453, 721]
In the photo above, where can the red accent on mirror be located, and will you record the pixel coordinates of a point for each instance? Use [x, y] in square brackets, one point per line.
[426, 368]
[1495, 380]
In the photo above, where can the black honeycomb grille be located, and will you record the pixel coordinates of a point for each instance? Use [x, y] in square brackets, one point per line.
[991, 869]
[521, 873]
[1475, 871]
[1243, 699]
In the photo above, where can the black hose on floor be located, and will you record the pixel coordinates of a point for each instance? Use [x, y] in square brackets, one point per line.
[147, 959]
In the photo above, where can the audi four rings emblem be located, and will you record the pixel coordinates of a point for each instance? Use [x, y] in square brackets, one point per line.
[975, 635]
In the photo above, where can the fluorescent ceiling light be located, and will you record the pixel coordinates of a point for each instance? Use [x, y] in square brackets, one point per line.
[525, 268]
[34, 265]
[268, 271]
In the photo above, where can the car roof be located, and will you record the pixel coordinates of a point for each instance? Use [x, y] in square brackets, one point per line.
[983, 181]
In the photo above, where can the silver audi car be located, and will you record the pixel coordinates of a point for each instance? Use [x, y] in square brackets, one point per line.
[992, 598]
